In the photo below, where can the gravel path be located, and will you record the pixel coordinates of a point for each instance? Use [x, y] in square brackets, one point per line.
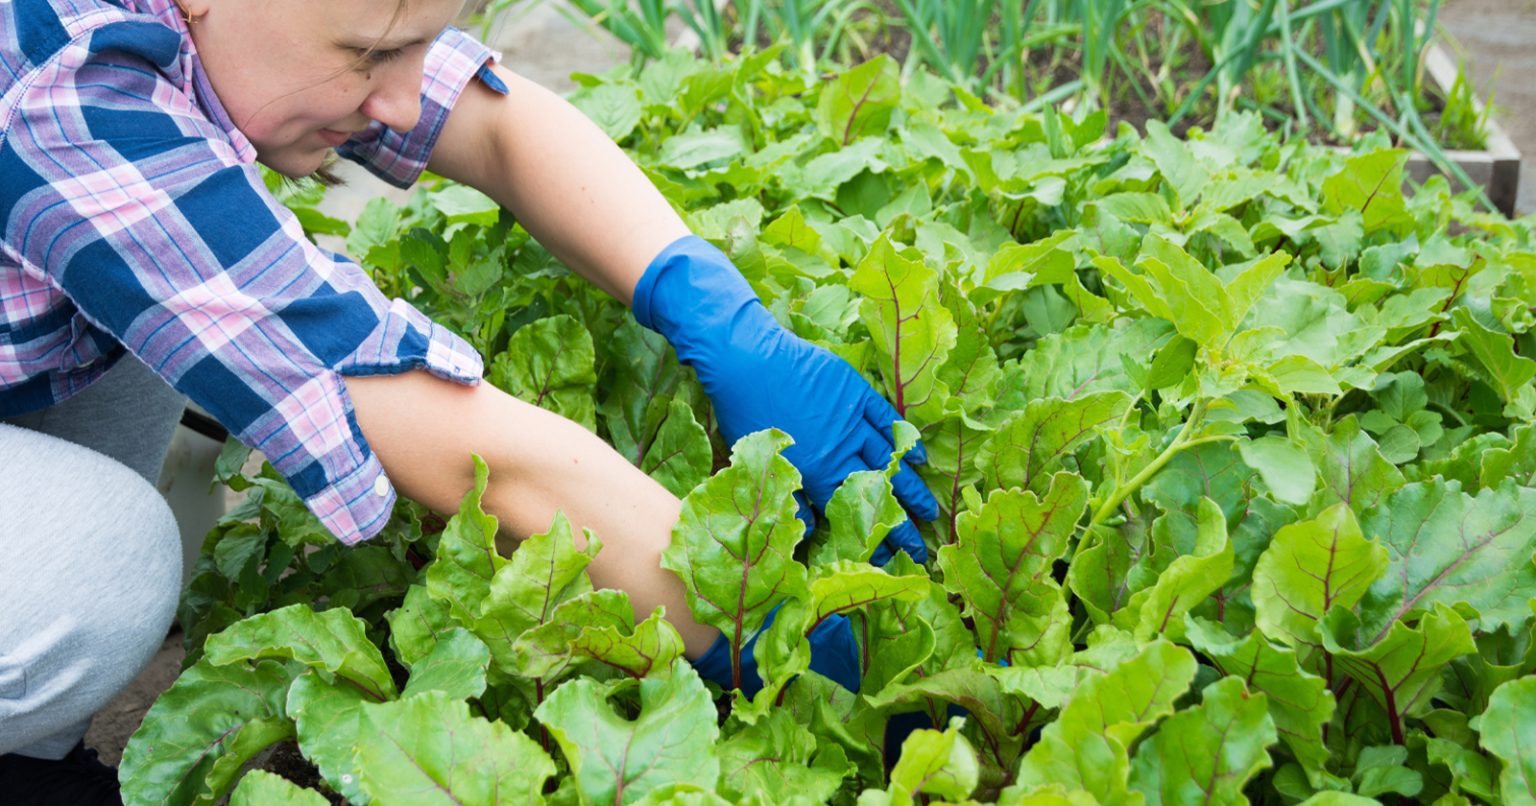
[1497, 38]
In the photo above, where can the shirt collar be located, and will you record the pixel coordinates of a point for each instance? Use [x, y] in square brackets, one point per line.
[168, 13]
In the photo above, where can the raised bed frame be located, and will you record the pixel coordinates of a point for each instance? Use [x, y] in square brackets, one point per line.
[1496, 169]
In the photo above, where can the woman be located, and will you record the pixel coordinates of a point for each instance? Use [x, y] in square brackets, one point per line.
[142, 260]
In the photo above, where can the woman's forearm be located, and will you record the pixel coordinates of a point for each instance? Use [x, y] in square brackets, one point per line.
[573, 189]
[424, 431]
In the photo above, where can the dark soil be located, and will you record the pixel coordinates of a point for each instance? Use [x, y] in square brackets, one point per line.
[286, 760]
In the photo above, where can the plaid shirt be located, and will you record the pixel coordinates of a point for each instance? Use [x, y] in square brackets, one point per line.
[132, 217]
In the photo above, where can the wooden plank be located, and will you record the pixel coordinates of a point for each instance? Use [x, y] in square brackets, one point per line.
[1496, 168]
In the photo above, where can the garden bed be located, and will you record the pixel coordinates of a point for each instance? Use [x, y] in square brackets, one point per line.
[1189, 405]
[1333, 71]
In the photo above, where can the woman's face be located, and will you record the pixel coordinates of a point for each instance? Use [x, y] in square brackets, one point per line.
[298, 77]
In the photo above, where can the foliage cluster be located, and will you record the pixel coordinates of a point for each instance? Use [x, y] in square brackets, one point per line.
[1328, 69]
[1232, 435]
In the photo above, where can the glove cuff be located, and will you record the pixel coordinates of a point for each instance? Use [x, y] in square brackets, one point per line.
[690, 290]
[838, 658]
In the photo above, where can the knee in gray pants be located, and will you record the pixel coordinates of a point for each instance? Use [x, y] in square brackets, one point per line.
[88, 592]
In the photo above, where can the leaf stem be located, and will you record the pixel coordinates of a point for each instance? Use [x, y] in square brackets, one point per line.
[1178, 444]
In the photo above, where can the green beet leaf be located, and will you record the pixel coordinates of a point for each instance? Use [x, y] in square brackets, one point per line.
[1101, 570]
[429, 749]
[1517, 461]
[456, 666]
[1175, 287]
[920, 638]
[1383, 770]
[847, 585]
[262, 788]
[1084, 360]
[863, 509]
[733, 544]
[1332, 798]
[771, 761]
[619, 760]
[1172, 363]
[600, 626]
[549, 363]
[546, 570]
[1050, 687]
[1180, 169]
[971, 686]
[860, 102]
[643, 376]
[839, 587]
[1445, 546]
[547, 650]
[334, 641]
[679, 457]
[1285, 466]
[466, 555]
[1403, 669]
[1033, 444]
[637, 651]
[614, 108]
[1503, 367]
[1471, 771]
[1372, 185]
[1185, 583]
[1351, 469]
[935, 764]
[198, 735]
[682, 795]
[1310, 568]
[327, 716]
[417, 625]
[1001, 566]
[1507, 731]
[911, 331]
[1208, 753]
[1086, 747]
[1299, 702]
[1017, 267]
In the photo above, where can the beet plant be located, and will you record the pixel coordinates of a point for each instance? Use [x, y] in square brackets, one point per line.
[1233, 439]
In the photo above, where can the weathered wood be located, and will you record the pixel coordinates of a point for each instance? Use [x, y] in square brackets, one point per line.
[1496, 168]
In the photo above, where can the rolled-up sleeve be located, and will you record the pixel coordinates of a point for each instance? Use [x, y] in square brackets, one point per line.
[453, 60]
[115, 188]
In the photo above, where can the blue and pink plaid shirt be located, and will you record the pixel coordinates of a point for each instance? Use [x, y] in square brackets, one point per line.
[132, 216]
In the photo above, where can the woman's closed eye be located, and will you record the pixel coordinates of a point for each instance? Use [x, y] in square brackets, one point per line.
[373, 58]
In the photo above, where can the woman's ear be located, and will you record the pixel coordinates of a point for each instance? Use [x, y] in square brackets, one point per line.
[194, 10]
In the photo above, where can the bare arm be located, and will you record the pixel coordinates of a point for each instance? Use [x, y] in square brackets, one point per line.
[565, 180]
[424, 431]
[585, 201]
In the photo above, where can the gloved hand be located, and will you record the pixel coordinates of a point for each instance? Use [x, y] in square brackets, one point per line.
[834, 655]
[760, 375]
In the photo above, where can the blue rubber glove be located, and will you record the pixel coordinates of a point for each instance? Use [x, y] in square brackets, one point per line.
[834, 655]
[760, 375]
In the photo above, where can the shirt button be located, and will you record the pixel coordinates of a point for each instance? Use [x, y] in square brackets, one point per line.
[381, 486]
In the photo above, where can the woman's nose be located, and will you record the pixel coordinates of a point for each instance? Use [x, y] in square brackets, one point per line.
[396, 97]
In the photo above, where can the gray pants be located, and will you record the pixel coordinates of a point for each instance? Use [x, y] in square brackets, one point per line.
[90, 557]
